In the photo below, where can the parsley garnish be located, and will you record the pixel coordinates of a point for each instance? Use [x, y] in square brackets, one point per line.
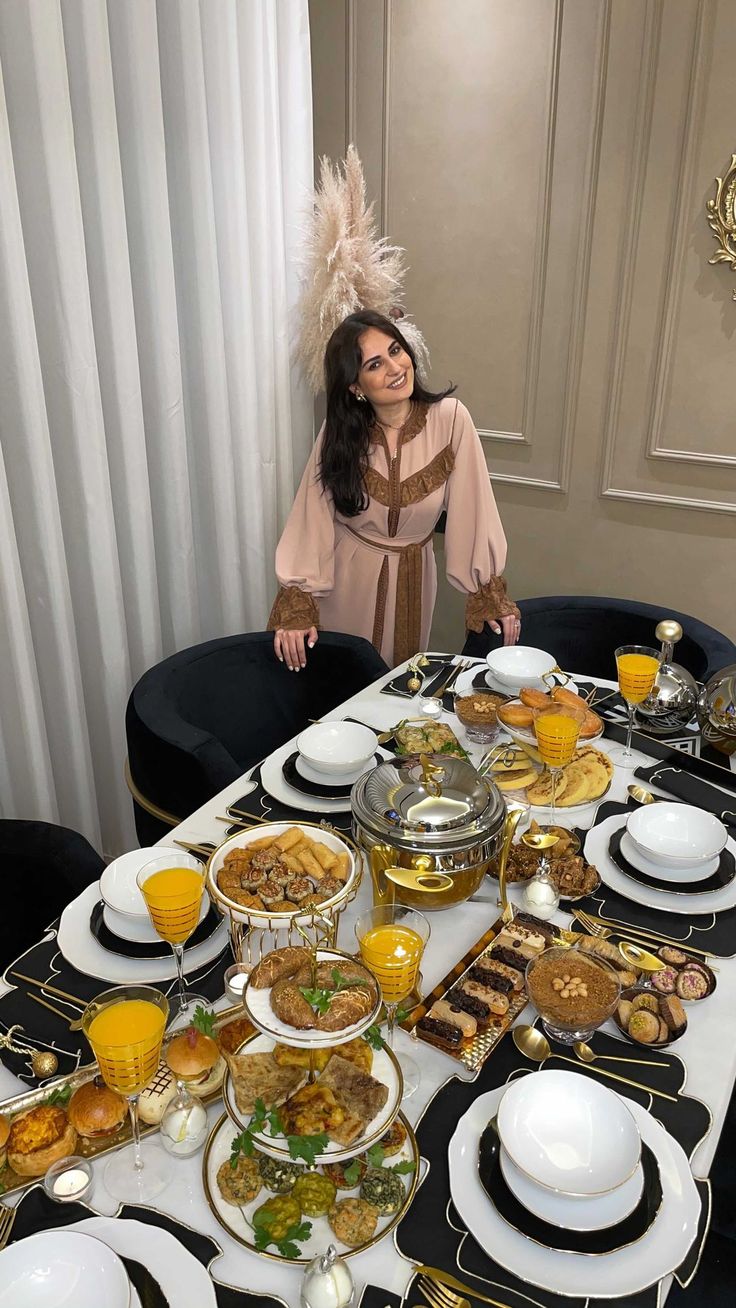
[60, 1096]
[204, 1020]
[373, 1037]
[288, 1247]
[376, 1156]
[321, 999]
[306, 1147]
[352, 1173]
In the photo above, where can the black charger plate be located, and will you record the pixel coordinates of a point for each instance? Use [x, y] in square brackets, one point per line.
[115, 944]
[629, 1231]
[317, 790]
[722, 877]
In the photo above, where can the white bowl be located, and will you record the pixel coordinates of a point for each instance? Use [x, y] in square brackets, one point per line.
[676, 835]
[62, 1269]
[569, 1133]
[138, 931]
[336, 747]
[519, 665]
[573, 1212]
[667, 875]
[118, 886]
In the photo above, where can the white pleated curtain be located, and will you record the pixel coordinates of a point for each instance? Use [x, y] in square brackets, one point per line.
[155, 163]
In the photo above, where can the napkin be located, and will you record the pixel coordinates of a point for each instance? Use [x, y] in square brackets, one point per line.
[692, 790]
[436, 668]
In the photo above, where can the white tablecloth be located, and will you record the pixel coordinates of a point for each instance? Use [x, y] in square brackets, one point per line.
[706, 1048]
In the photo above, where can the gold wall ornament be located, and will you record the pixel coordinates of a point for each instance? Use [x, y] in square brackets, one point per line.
[722, 217]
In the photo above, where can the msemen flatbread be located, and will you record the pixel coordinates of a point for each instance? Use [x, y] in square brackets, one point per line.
[258, 1076]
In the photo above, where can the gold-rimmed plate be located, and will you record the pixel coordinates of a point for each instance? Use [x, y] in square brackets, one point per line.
[237, 1220]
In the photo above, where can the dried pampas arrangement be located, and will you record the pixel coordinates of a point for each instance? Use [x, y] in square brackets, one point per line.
[346, 267]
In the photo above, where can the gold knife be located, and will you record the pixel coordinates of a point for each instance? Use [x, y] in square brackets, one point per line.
[455, 672]
[444, 1278]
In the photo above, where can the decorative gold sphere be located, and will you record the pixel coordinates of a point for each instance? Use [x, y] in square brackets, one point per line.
[669, 630]
[44, 1064]
[413, 684]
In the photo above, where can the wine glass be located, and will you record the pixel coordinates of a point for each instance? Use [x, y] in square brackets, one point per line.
[557, 730]
[392, 939]
[172, 885]
[125, 1028]
[637, 667]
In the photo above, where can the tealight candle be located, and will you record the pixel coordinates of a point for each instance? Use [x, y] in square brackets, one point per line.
[431, 708]
[236, 978]
[69, 1179]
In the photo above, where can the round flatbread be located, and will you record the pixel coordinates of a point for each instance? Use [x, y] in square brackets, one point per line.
[510, 763]
[601, 757]
[541, 791]
[577, 788]
[598, 778]
[516, 781]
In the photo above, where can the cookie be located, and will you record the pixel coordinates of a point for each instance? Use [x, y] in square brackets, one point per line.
[541, 791]
[644, 1026]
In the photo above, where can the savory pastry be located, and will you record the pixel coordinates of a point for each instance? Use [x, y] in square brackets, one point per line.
[156, 1096]
[692, 984]
[94, 1110]
[644, 1026]
[315, 1193]
[673, 1013]
[394, 1138]
[347, 1008]
[299, 1056]
[336, 1172]
[233, 1034]
[428, 738]
[356, 1051]
[278, 1214]
[39, 1138]
[195, 1059]
[314, 1109]
[4, 1133]
[383, 1189]
[278, 1175]
[258, 1076]
[291, 1007]
[353, 1220]
[359, 1093]
[242, 1183]
[444, 1011]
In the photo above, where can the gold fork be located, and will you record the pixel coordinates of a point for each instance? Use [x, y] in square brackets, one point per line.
[437, 1291]
[596, 926]
[7, 1218]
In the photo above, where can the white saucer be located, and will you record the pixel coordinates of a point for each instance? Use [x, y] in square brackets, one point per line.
[513, 691]
[595, 850]
[183, 1279]
[309, 773]
[79, 947]
[573, 1214]
[671, 875]
[132, 928]
[272, 780]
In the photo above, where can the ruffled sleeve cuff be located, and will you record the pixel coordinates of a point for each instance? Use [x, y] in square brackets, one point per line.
[293, 610]
[488, 605]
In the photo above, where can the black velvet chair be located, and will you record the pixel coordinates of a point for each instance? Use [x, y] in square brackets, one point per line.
[583, 631]
[199, 719]
[50, 866]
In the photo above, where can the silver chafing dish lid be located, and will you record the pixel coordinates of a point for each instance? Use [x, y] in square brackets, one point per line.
[433, 800]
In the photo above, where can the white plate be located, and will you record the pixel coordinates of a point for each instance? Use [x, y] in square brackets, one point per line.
[309, 773]
[676, 835]
[626, 1271]
[183, 1279]
[62, 1269]
[143, 933]
[79, 947]
[573, 1214]
[596, 851]
[642, 864]
[569, 1133]
[385, 1068]
[272, 780]
[257, 1005]
[118, 886]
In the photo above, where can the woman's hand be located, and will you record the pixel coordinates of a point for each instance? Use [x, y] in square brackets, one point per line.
[511, 627]
[289, 646]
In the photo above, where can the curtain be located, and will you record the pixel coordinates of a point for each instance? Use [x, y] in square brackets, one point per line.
[155, 168]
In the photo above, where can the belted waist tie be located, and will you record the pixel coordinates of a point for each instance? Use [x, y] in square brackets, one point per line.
[408, 623]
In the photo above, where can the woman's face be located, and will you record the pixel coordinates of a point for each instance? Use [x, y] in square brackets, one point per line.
[386, 374]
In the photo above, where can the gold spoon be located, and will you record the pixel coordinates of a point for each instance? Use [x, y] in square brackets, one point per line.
[642, 795]
[588, 1055]
[533, 1044]
[638, 957]
[539, 839]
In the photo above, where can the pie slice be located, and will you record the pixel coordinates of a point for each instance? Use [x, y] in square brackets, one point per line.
[258, 1076]
[359, 1093]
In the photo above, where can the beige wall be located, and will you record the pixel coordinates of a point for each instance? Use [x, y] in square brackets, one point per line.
[546, 166]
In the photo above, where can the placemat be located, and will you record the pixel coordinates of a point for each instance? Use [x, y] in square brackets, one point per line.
[715, 932]
[265, 808]
[36, 1212]
[423, 1238]
[44, 1030]
[692, 790]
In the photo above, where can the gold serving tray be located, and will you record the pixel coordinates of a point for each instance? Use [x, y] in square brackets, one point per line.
[10, 1181]
[471, 1053]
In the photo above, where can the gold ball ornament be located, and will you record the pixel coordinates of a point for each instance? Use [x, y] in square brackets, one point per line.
[413, 684]
[44, 1064]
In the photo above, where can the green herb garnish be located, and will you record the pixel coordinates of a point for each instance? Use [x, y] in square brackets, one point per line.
[60, 1096]
[307, 1147]
[262, 1117]
[289, 1247]
[321, 999]
[373, 1036]
[376, 1156]
[204, 1020]
[402, 1168]
[352, 1173]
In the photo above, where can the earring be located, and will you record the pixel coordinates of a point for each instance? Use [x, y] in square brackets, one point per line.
[360, 397]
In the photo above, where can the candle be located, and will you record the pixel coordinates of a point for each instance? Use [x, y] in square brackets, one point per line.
[430, 708]
[68, 1179]
[70, 1183]
[236, 978]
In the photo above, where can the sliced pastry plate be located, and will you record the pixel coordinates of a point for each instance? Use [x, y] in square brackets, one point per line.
[237, 1220]
[257, 1005]
[385, 1068]
[625, 1271]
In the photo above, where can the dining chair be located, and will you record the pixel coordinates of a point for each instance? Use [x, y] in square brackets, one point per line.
[199, 719]
[50, 865]
[583, 631]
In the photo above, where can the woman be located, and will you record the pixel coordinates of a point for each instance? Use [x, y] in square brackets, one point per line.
[356, 553]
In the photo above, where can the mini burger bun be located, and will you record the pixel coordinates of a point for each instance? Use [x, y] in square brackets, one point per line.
[94, 1110]
[4, 1133]
[195, 1059]
[38, 1161]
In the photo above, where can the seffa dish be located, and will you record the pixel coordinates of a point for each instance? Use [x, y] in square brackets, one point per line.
[433, 816]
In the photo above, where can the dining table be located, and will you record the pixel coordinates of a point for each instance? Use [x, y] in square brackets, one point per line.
[706, 1049]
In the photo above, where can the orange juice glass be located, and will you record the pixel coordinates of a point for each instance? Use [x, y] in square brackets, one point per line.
[637, 667]
[172, 886]
[392, 939]
[125, 1028]
[557, 730]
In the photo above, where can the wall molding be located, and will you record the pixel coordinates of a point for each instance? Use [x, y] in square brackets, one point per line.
[506, 437]
[669, 501]
[351, 63]
[386, 117]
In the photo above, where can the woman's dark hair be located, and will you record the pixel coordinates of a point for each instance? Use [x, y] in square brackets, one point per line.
[349, 422]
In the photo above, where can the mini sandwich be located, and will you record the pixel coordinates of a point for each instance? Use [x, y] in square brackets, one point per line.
[195, 1059]
[4, 1133]
[94, 1110]
[39, 1138]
